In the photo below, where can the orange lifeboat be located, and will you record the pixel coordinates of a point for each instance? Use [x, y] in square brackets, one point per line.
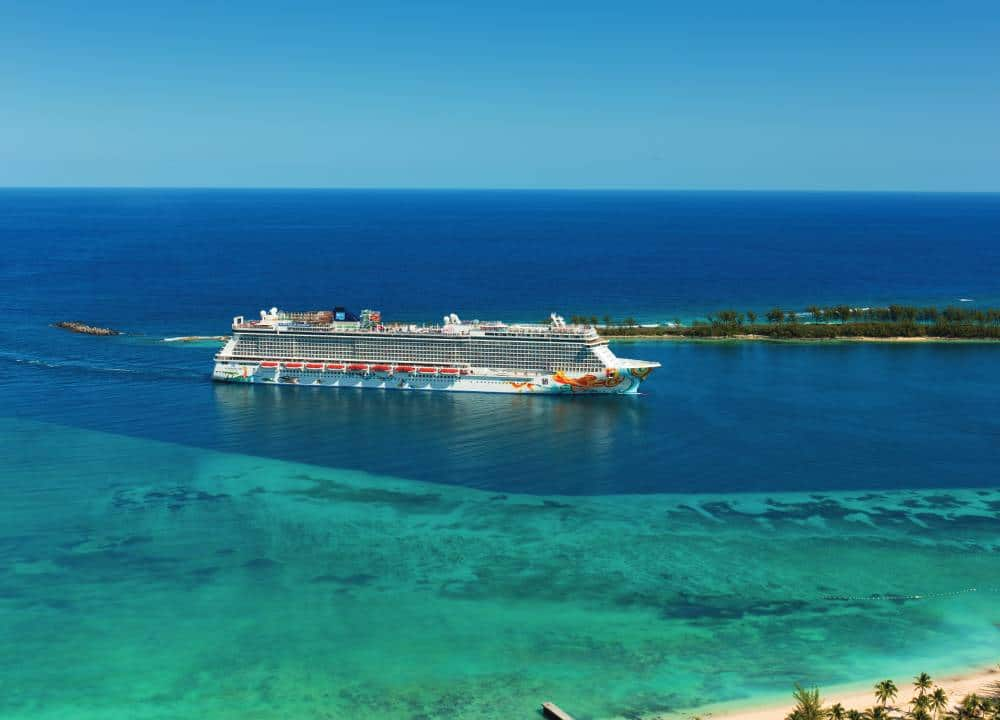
[314, 366]
[293, 366]
[404, 368]
[381, 368]
[357, 366]
[448, 371]
[334, 366]
[269, 364]
[427, 371]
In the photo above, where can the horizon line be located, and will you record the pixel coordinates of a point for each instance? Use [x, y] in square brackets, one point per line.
[446, 188]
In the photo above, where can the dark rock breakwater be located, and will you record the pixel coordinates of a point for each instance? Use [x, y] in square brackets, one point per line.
[84, 329]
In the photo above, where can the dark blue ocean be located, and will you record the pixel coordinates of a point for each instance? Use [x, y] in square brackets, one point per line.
[762, 514]
[162, 263]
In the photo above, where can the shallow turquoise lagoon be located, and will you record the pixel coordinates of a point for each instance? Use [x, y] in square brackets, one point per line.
[143, 579]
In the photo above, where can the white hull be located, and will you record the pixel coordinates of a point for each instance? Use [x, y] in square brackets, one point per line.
[616, 382]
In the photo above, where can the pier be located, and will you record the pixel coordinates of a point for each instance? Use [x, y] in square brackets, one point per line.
[554, 712]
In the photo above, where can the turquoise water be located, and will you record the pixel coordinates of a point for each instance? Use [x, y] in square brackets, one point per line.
[145, 579]
[762, 514]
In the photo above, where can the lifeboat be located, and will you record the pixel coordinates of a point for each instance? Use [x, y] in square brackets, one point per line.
[334, 366]
[269, 364]
[427, 371]
[357, 366]
[381, 368]
[448, 371]
[464, 372]
[293, 366]
[314, 366]
[404, 368]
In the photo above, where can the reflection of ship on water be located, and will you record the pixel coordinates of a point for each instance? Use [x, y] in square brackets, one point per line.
[507, 441]
[339, 350]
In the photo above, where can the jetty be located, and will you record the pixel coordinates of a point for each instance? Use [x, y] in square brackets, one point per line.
[554, 712]
[84, 329]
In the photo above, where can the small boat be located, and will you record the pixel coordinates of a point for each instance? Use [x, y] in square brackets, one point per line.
[448, 371]
[404, 368]
[427, 371]
[269, 364]
[293, 366]
[314, 366]
[334, 366]
[381, 368]
[357, 366]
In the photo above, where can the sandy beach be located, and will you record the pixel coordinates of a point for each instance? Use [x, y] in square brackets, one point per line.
[855, 696]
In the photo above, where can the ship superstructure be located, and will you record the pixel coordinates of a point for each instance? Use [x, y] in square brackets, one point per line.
[338, 349]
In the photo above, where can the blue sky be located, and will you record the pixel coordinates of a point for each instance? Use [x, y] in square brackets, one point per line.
[702, 95]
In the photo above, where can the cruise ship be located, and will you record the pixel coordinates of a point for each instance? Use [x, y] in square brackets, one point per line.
[338, 349]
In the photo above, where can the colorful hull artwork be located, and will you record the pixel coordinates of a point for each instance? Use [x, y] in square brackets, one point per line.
[616, 381]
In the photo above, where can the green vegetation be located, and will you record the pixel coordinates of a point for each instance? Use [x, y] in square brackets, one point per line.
[927, 703]
[808, 705]
[817, 323]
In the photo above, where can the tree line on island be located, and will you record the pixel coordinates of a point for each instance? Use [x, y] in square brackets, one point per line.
[819, 323]
[928, 702]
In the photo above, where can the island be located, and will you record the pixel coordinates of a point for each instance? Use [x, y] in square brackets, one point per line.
[841, 322]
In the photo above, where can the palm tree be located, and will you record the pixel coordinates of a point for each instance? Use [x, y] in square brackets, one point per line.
[855, 715]
[808, 706]
[939, 701]
[993, 708]
[607, 321]
[836, 712]
[972, 706]
[885, 691]
[877, 712]
[922, 683]
[751, 316]
[920, 707]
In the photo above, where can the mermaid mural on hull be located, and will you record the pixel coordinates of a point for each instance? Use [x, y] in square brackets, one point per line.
[589, 381]
[640, 372]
